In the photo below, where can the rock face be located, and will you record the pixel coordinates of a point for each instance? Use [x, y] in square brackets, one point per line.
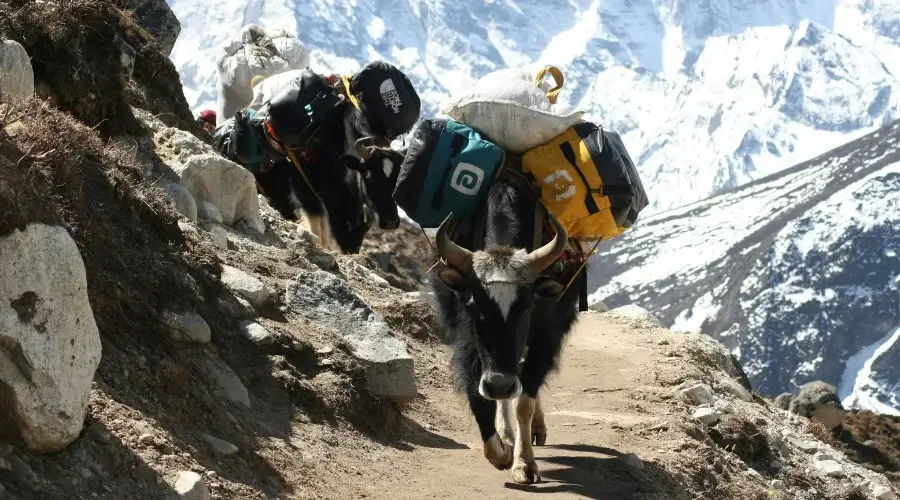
[207, 176]
[247, 286]
[49, 341]
[16, 73]
[225, 184]
[187, 326]
[325, 298]
[190, 486]
[157, 18]
[182, 199]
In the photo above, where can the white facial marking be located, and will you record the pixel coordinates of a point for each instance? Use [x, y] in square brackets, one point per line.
[500, 282]
[504, 295]
[388, 167]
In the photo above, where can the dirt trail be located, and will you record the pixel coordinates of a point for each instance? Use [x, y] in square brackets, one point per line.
[605, 387]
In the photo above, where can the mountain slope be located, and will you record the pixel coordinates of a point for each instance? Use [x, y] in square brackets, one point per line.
[797, 272]
[708, 95]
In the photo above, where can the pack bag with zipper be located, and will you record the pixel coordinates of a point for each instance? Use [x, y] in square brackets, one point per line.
[588, 181]
[290, 119]
[449, 167]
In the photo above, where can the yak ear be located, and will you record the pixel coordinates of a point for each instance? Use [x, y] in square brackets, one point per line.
[452, 278]
[548, 287]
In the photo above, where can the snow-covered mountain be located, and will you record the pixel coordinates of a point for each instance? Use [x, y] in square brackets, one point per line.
[798, 273]
[708, 94]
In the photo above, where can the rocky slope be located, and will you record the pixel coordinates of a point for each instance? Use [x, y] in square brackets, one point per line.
[708, 95]
[797, 273]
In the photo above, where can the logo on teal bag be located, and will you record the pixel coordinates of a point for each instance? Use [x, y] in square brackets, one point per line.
[467, 179]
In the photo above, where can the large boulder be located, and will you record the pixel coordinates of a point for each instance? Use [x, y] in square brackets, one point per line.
[225, 184]
[324, 298]
[208, 176]
[49, 341]
[157, 18]
[16, 73]
[818, 400]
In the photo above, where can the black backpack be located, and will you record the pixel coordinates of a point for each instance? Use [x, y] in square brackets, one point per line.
[296, 112]
[387, 99]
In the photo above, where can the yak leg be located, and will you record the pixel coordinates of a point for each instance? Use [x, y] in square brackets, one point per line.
[498, 453]
[505, 422]
[538, 426]
[525, 469]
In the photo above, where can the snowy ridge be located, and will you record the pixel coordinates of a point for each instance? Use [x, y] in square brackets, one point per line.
[707, 95]
[798, 273]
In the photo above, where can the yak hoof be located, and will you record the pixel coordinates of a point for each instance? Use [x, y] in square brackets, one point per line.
[539, 438]
[526, 473]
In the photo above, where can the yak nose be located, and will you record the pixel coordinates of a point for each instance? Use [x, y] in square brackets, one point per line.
[499, 385]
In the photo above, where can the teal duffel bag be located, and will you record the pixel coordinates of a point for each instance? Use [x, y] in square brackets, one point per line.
[449, 167]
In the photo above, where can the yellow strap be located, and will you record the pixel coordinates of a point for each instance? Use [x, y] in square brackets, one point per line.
[302, 173]
[346, 81]
[553, 93]
[255, 80]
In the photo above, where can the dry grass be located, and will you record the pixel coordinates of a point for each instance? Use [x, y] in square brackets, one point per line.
[55, 170]
[821, 432]
[77, 65]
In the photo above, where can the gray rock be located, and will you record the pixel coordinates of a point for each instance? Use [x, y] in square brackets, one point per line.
[735, 389]
[190, 486]
[2, 490]
[248, 286]
[633, 460]
[157, 18]
[238, 306]
[227, 382]
[219, 446]
[256, 333]
[181, 197]
[208, 211]
[707, 416]
[325, 298]
[633, 311]
[783, 400]
[16, 73]
[777, 484]
[49, 342]
[187, 326]
[598, 306]
[127, 56]
[819, 400]
[882, 492]
[699, 394]
[830, 468]
[804, 445]
[230, 187]
[219, 236]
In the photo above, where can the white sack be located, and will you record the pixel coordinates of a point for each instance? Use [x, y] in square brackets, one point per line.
[242, 58]
[511, 110]
[266, 89]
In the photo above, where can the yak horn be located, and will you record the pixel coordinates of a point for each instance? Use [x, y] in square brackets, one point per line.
[547, 254]
[363, 147]
[455, 255]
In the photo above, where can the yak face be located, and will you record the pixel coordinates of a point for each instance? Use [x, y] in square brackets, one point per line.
[501, 284]
[347, 215]
[377, 165]
[379, 169]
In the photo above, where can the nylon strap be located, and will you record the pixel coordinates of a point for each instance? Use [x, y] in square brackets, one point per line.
[299, 168]
[346, 81]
